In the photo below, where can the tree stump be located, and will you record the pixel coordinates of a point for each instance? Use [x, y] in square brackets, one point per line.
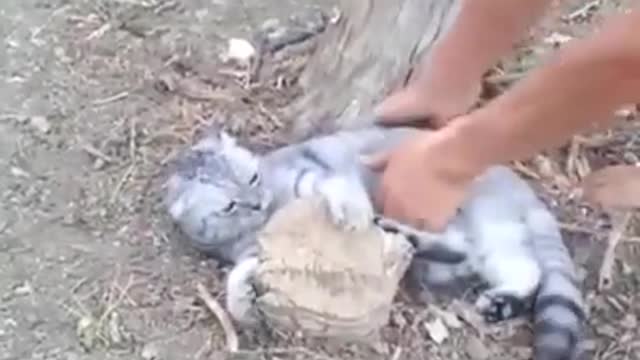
[368, 53]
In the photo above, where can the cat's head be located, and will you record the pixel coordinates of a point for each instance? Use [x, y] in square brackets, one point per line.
[216, 195]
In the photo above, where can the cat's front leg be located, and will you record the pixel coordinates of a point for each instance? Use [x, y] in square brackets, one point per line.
[241, 295]
[347, 201]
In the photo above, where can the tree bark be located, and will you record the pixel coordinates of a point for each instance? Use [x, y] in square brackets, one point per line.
[368, 53]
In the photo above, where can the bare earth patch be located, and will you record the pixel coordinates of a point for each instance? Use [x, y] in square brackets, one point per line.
[97, 97]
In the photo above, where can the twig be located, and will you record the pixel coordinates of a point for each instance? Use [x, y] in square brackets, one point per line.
[110, 99]
[112, 306]
[574, 228]
[583, 11]
[606, 269]
[507, 78]
[132, 140]
[97, 153]
[78, 284]
[121, 183]
[99, 32]
[227, 326]
[5, 225]
[397, 353]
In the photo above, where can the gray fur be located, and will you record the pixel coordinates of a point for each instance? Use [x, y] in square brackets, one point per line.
[504, 233]
[217, 200]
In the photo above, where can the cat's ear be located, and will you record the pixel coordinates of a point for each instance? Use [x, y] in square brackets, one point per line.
[226, 139]
[216, 139]
[212, 140]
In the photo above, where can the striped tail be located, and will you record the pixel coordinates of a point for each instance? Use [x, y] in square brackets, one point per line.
[558, 311]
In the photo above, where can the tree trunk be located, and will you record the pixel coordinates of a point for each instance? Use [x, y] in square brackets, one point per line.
[368, 53]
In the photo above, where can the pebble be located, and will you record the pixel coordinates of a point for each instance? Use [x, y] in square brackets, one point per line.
[150, 352]
[23, 289]
[240, 50]
[41, 123]
[18, 172]
[629, 322]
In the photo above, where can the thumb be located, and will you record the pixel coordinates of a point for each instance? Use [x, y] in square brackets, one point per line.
[376, 161]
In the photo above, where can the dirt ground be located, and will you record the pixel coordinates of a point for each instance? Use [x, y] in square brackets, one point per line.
[97, 96]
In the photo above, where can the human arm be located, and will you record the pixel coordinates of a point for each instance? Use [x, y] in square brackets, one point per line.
[482, 32]
[578, 89]
[426, 179]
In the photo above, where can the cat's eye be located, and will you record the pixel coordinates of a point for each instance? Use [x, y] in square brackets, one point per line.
[230, 207]
[254, 179]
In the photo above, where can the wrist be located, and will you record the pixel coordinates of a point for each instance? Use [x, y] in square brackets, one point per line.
[466, 156]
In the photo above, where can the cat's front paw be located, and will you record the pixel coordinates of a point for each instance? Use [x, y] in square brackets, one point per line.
[241, 296]
[348, 203]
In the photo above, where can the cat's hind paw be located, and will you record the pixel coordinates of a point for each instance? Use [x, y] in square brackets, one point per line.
[241, 295]
[496, 307]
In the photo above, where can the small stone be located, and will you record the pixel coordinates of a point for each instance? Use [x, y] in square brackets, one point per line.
[99, 164]
[437, 330]
[629, 321]
[86, 330]
[150, 352]
[21, 119]
[476, 349]
[41, 123]
[270, 25]
[240, 50]
[18, 172]
[23, 289]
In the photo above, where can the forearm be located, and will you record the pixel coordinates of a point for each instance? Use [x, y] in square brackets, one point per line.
[483, 31]
[581, 87]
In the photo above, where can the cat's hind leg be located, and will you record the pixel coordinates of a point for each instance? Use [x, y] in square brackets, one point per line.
[513, 280]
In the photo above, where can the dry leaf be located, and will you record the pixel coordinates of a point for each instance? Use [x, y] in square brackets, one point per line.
[614, 187]
[450, 319]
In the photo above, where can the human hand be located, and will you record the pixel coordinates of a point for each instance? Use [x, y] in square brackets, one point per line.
[422, 184]
[432, 104]
[434, 95]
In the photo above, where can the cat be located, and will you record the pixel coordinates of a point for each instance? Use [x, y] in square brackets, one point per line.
[221, 194]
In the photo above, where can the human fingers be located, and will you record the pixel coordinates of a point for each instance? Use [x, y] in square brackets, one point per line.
[444, 206]
[392, 203]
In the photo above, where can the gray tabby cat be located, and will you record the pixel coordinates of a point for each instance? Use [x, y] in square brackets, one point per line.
[221, 194]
